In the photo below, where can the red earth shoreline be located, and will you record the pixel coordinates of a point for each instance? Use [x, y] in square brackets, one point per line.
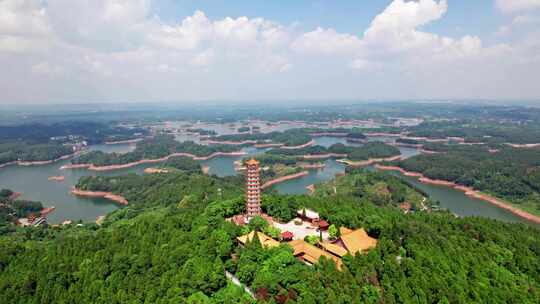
[368, 162]
[468, 191]
[329, 134]
[256, 145]
[284, 179]
[323, 156]
[38, 163]
[92, 167]
[100, 194]
[523, 146]
[127, 141]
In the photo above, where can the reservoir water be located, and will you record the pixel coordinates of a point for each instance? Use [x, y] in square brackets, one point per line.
[459, 203]
[32, 182]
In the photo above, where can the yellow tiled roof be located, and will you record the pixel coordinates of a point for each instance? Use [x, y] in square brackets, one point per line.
[334, 249]
[357, 240]
[252, 162]
[344, 230]
[311, 253]
[264, 239]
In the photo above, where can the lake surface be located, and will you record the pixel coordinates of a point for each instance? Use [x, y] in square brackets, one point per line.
[298, 186]
[459, 203]
[33, 183]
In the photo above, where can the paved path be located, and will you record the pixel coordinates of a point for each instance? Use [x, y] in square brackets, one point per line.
[231, 277]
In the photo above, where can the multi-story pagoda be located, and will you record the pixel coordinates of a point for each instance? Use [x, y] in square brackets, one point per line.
[253, 189]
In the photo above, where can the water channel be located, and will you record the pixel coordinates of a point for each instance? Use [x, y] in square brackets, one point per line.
[34, 184]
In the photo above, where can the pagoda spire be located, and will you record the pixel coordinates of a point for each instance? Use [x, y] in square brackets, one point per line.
[253, 189]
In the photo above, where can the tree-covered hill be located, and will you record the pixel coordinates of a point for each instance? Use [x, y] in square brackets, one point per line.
[360, 153]
[172, 245]
[151, 148]
[17, 151]
[293, 137]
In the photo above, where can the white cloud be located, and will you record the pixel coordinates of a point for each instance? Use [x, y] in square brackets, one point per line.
[512, 6]
[23, 26]
[121, 50]
[326, 41]
[395, 31]
[203, 59]
[519, 22]
[45, 68]
[407, 15]
[187, 35]
[107, 25]
[523, 19]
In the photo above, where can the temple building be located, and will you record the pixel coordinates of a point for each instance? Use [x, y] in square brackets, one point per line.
[253, 189]
[264, 239]
[310, 254]
[350, 241]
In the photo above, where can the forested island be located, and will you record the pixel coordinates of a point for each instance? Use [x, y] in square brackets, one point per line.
[158, 147]
[293, 137]
[367, 151]
[39, 143]
[485, 131]
[23, 152]
[175, 228]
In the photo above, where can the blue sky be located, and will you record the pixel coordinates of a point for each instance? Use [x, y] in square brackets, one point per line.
[478, 17]
[185, 50]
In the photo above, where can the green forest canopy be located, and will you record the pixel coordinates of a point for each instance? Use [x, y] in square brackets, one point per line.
[172, 244]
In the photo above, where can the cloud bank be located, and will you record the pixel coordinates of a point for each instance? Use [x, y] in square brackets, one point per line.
[120, 50]
[512, 6]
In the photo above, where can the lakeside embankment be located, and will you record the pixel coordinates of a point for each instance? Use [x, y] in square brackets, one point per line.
[8, 164]
[383, 134]
[284, 179]
[92, 167]
[308, 144]
[260, 145]
[40, 162]
[46, 211]
[329, 134]
[269, 145]
[398, 144]
[523, 146]
[468, 191]
[323, 156]
[424, 151]
[127, 141]
[368, 162]
[230, 142]
[100, 194]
